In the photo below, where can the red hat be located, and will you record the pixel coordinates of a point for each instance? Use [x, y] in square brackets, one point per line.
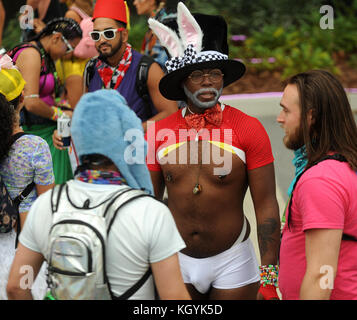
[112, 9]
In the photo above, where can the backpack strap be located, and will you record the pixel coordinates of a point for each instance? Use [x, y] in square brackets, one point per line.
[348, 237]
[113, 200]
[128, 293]
[16, 136]
[124, 198]
[12, 52]
[140, 83]
[44, 70]
[337, 157]
[142, 76]
[89, 72]
[23, 195]
[56, 196]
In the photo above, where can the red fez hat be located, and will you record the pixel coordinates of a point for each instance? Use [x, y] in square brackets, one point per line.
[112, 9]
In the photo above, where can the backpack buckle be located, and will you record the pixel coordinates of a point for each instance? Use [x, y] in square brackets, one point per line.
[21, 197]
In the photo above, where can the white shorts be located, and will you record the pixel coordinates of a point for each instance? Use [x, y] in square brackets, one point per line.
[233, 268]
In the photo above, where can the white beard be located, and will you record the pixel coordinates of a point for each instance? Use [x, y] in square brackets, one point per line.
[200, 104]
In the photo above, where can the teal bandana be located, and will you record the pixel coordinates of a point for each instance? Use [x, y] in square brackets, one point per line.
[300, 162]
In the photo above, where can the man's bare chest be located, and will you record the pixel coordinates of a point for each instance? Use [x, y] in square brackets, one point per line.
[198, 162]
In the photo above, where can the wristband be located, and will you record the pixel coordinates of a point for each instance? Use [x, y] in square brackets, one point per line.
[57, 112]
[32, 96]
[64, 105]
[268, 292]
[269, 275]
[49, 296]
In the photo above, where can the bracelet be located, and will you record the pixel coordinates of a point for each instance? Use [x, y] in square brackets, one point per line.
[57, 113]
[32, 96]
[269, 275]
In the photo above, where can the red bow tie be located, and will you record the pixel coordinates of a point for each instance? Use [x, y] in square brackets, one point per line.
[211, 116]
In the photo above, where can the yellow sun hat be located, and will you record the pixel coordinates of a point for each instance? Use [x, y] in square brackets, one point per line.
[11, 81]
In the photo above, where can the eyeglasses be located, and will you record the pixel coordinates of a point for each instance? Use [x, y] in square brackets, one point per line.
[197, 77]
[68, 45]
[108, 34]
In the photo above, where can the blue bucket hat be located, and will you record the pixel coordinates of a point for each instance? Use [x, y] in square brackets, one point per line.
[103, 123]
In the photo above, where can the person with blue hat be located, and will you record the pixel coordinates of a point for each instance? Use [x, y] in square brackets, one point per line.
[111, 147]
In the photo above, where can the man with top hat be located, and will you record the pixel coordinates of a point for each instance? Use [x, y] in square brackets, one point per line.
[207, 154]
[118, 63]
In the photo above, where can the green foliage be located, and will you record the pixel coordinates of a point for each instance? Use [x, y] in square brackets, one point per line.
[245, 17]
[300, 48]
[284, 35]
[305, 57]
[138, 28]
[353, 61]
[345, 33]
[11, 34]
[286, 30]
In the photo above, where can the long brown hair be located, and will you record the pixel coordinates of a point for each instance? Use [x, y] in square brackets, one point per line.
[333, 128]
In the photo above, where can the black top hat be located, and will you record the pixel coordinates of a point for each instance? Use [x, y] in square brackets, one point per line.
[211, 52]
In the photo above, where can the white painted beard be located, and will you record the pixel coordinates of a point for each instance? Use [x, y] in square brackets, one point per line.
[198, 103]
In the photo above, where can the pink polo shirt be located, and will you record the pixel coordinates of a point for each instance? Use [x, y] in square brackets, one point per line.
[325, 198]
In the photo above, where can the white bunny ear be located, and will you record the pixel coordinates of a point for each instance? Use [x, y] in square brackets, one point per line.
[189, 29]
[167, 37]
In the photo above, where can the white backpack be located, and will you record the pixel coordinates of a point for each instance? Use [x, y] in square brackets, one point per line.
[76, 254]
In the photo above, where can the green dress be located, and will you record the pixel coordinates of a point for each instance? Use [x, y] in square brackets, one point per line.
[61, 164]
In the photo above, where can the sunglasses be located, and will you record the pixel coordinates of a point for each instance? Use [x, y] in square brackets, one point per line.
[108, 34]
[68, 45]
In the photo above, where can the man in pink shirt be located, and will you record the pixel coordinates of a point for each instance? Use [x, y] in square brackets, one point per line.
[318, 254]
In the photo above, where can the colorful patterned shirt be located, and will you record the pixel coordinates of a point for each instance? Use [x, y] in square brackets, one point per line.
[29, 160]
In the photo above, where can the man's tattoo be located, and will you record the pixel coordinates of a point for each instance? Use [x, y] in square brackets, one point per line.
[266, 234]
